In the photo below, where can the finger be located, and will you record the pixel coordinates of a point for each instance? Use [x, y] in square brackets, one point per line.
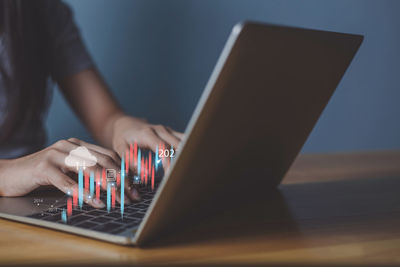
[163, 150]
[177, 134]
[118, 197]
[151, 140]
[164, 134]
[57, 158]
[105, 187]
[166, 162]
[103, 160]
[98, 167]
[131, 190]
[98, 149]
[161, 144]
[67, 185]
[127, 199]
[123, 149]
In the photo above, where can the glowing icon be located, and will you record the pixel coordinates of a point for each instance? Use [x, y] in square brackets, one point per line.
[80, 158]
[111, 175]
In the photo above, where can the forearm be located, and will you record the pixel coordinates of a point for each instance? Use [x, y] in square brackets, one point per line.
[6, 184]
[2, 164]
[93, 102]
[105, 135]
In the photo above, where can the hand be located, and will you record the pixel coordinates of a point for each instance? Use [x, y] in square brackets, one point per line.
[127, 130]
[47, 167]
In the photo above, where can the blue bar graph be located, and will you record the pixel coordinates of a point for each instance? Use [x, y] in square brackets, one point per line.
[64, 216]
[80, 187]
[122, 185]
[108, 197]
[92, 183]
[156, 158]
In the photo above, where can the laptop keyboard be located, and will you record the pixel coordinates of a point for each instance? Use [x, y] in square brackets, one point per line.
[100, 220]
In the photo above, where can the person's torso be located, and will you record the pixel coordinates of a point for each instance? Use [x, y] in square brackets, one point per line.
[29, 136]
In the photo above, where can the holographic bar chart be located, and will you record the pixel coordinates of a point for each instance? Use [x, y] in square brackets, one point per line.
[92, 183]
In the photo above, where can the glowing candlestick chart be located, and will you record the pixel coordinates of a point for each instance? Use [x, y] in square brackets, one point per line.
[91, 184]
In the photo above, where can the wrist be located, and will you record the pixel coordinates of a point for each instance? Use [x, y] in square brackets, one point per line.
[3, 175]
[109, 128]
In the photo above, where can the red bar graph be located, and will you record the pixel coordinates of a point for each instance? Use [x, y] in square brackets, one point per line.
[126, 161]
[152, 178]
[98, 185]
[118, 179]
[69, 207]
[130, 154]
[146, 172]
[142, 171]
[135, 152]
[86, 182]
[149, 161]
[113, 197]
[103, 180]
[75, 196]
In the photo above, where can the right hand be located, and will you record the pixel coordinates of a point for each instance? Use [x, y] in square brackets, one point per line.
[20, 176]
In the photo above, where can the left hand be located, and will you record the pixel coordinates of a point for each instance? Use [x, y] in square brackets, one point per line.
[127, 130]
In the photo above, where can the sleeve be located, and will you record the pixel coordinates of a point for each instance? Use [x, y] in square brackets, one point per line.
[67, 53]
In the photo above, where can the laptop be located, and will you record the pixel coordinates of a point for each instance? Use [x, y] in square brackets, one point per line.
[265, 95]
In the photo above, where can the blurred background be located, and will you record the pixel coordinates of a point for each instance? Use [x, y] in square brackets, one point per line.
[157, 56]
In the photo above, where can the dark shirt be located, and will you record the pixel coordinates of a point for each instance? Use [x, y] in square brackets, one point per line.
[66, 55]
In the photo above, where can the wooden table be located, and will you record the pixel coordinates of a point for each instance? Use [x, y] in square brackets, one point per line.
[337, 209]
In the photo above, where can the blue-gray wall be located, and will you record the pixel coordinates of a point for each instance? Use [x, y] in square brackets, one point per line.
[158, 54]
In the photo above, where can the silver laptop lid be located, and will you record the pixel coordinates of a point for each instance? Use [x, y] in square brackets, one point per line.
[266, 93]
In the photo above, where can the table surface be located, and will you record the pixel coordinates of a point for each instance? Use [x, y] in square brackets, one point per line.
[330, 209]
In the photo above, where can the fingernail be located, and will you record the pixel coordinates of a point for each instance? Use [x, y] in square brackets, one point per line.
[99, 203]
[135, 194]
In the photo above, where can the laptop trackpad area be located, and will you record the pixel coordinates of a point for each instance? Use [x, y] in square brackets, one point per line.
[36, 202]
